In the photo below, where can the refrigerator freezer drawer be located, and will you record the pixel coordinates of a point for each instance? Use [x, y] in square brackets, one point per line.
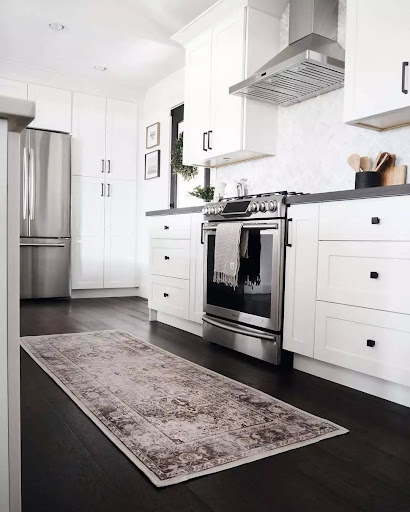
[45, 268]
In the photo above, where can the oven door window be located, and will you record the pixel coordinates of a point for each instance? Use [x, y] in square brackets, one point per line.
[254, 292]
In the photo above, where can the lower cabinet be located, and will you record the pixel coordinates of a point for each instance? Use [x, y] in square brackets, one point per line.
[103, 233]
[373, 342]
[300, 279]
[346, 297]
[176, 266]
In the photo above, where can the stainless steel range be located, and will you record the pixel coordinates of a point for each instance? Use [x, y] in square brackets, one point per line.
[248, 318]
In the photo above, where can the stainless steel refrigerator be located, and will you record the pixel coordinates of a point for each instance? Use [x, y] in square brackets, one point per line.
[45, 230]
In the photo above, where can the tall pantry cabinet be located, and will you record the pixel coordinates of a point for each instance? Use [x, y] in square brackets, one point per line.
[104, 167]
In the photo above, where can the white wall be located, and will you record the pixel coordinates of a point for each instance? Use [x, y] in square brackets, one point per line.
[154, 193]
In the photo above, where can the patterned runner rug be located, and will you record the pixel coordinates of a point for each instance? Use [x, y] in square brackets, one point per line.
[174, 419]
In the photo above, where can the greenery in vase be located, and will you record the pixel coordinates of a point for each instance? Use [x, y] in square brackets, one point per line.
[205, 193]
[187, 172]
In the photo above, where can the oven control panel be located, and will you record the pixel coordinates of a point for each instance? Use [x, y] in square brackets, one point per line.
[272, 206]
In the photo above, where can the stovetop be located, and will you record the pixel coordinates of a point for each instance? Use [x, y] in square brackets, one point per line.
[252, 206]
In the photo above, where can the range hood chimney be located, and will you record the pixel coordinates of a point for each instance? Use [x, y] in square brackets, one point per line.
[311, 65]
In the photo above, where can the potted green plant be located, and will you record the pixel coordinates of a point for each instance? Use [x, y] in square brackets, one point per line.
[205, 193]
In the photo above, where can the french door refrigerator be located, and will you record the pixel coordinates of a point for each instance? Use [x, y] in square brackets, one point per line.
[45, 236]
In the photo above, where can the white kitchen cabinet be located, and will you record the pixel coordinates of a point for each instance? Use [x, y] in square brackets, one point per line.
[53, 108]
[105, 137]
[121, 139]
[377, 84]
[196, 303]
[87, 233]
[300, 279]
[88, 141]
[373, 342]
[177, 268]
[197, 102]
[103, 233]
[13, 89]
[372, 275]
[120, 234]
[220, 129]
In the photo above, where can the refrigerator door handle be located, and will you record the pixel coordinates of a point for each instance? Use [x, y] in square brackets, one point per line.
[32, 186]
[25, 184]
[41, 245]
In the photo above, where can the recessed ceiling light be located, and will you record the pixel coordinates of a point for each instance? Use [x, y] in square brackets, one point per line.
[100, 68]
[56, 26]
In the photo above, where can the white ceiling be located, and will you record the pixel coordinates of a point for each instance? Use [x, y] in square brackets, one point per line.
[131, 38]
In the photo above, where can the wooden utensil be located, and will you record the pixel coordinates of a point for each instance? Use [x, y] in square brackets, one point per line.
[365, 163]
[383, 161]
[354, 162]
[376, 160]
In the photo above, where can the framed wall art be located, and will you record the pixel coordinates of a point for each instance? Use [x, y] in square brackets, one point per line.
[152, 164]
[152, 137]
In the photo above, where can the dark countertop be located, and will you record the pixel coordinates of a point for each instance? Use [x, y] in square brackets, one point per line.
[176, 211]
[363, 193]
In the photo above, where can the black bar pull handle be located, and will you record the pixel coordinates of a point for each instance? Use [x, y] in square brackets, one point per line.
[204, 135]
[374, 275]
[209, 139]
[403, 77]
[288, 244]
[202, 233]
[371, 343]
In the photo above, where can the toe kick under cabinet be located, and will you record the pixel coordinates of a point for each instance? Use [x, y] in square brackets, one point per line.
[347, 298]
[176, 266]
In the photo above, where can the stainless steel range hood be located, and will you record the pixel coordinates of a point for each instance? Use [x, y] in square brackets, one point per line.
[311, 65]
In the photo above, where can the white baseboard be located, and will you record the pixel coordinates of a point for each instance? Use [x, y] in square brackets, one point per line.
[105, 292]
[179, 323]
[366, 383]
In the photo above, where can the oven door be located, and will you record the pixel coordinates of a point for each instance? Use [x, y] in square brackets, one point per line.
[257, 300]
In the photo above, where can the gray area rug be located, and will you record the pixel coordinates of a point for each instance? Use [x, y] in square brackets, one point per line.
[174, 419]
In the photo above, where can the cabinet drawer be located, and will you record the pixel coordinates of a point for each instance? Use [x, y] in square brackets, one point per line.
[373, 342]
[366, 274]
[171, 226]
[366, 219]
[170, 258]
[170, 296]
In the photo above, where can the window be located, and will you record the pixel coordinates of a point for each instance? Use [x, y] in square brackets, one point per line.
[179, 190]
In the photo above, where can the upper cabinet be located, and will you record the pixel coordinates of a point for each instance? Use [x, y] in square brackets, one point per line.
[53, 108]
[13, 89]
[105, 137]
[377, 86]
[221, 51]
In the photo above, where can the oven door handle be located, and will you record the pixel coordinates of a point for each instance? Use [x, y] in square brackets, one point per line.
[238, 329]
[264, 225]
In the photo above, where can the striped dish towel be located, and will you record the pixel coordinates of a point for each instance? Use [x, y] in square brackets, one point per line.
[230, 244]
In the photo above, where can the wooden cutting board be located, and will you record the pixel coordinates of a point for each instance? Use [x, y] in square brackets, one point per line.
[388, 173]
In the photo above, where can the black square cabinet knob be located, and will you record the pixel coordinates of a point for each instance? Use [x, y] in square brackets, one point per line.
[371, 343]
[375, 220]
[374, 275]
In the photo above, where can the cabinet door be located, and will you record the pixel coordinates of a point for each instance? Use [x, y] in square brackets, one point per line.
[197, 99]
[300, 279]
[13, 89]
[88, 142]
[378, 42]
[53, 108]
[228, 46]
[87, 233]
[120, 238]
[196, 303]
[121, 139]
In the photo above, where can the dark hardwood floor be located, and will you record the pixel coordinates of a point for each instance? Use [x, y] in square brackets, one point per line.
[70, 466]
